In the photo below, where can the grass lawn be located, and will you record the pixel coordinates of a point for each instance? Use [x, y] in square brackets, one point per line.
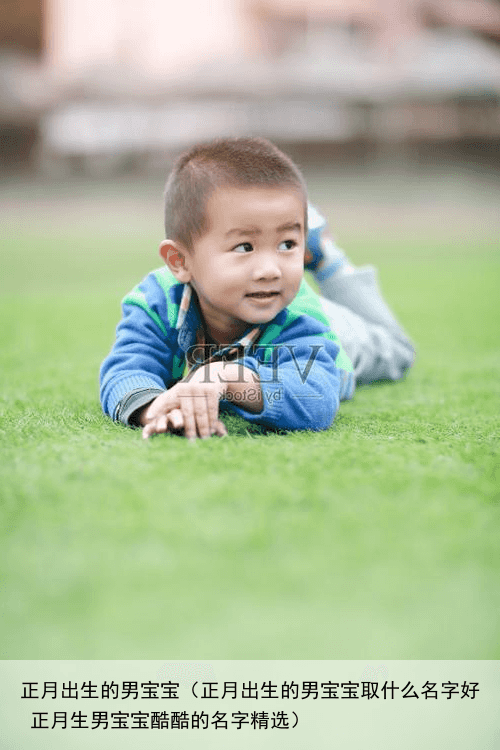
[375, 539]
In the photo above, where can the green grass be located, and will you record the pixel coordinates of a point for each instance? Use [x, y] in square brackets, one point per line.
[375, 539]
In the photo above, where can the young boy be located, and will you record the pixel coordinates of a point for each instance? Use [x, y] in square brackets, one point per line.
[229, 324]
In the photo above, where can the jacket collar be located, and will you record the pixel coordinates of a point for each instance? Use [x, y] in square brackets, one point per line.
[191, 332]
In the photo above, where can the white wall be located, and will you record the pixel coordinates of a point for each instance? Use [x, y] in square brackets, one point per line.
[158, 37]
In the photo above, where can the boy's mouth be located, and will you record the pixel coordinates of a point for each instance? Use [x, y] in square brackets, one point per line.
[263, 295]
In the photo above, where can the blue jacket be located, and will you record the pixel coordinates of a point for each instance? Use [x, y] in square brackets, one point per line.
[302, 369]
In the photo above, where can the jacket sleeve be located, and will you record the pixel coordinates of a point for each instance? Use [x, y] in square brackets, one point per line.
[142, 359]
[299, 380]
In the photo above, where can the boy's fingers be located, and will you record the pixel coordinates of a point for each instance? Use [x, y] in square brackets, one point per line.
[213, 411]
[157, 407]
[175, 419]
[201, 415]
[187, 410]
[149, 429]
[162, 423]
[198, 410]
[220, 429]
[156, 426]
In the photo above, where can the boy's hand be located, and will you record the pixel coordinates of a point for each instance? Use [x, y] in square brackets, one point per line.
[190, 406]
[174, 422]
[193, 404]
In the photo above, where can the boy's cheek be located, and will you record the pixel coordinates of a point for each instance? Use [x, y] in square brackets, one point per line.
[297, 282]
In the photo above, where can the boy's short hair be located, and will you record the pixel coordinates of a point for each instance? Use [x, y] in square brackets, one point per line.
[226, 162]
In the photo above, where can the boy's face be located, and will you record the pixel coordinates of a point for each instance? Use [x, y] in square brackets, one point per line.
[249, 263]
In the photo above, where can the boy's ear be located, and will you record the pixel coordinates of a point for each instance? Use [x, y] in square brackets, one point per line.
[175, 258]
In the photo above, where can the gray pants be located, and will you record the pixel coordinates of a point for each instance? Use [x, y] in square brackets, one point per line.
[371, 336]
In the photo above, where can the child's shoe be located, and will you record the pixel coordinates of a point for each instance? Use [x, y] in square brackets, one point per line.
[322, 256]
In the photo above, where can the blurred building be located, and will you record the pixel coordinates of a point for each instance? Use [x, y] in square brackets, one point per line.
[92, 82]
[20, 48]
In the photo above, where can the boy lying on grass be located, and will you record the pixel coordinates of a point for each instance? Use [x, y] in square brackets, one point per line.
[230, 324]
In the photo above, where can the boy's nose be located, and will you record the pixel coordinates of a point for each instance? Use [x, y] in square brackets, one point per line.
[267, 267]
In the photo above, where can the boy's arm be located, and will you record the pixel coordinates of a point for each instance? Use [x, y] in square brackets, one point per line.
[303, 370]
[139, 377]
[300, 386]
[140, 365]
[299, 390]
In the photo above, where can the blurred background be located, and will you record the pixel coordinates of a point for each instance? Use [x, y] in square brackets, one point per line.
[390, 107]
[98, 87]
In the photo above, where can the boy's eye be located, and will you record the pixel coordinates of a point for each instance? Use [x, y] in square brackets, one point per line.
[245, 247]
[287, 245]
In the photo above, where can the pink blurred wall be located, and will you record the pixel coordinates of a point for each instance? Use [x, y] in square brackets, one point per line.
[157, 37]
